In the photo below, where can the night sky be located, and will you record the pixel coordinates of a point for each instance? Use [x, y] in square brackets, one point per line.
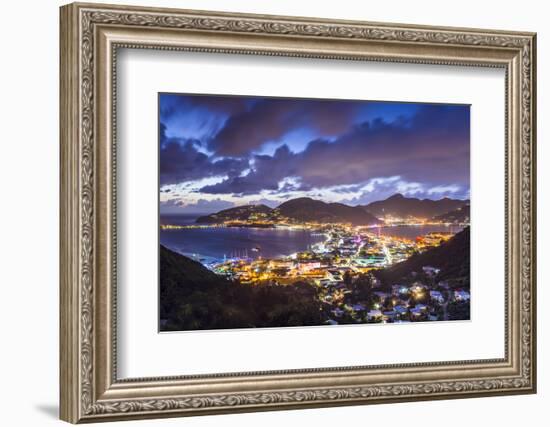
[222, 151]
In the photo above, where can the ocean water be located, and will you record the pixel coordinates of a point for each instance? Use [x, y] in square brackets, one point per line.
[212, 244]
[180, 219]
[217, 243]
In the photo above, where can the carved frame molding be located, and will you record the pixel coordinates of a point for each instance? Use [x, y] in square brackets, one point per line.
[90, 37]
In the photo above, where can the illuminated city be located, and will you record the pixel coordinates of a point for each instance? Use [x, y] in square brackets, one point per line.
[343, 263]
[302, 212]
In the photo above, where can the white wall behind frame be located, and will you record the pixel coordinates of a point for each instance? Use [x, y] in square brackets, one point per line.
[144, 73]
[29, 131]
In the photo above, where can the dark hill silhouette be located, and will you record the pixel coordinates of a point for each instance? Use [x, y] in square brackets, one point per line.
[241, 213]
[303, 209]
[181, 276]
[451, 257]
[457, 216]
[401, 206]
[192, 297]
[309, 210]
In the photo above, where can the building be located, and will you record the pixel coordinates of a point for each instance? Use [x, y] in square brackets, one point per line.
[443, 284]
[401, 310]
[416, 312]
[430, 271]
[437, 296]
[389, 316]
[381, 295]
[358, 307]
[335, 275]
[461, 295]
[306, 267]
[338, 312]
[374, 315]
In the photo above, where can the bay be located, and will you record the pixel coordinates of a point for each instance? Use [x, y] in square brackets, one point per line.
[217, 243]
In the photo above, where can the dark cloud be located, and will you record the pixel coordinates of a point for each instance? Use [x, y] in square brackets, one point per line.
[266, 174]
[227, 105]
[201, 206]
[180, 161]
[431, 146]
[380, 189]
[269, 119]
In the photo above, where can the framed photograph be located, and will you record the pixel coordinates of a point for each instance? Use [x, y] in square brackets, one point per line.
[289, 212]
[265, 212]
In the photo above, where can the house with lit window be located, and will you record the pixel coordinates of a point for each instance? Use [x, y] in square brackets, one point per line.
[430, 271]
[437, 296]
[461, 295]
[374, 315]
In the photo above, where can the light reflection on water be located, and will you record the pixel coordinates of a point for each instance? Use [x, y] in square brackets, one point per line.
[217, 243]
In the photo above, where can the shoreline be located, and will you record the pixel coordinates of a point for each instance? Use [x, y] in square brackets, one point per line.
[252, 251]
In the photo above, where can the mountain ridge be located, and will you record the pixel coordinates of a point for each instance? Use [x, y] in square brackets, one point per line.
[400, 206]
[451, 257]
[242, 213]
[304, 209]
[310, 210]
[307, 209]
[457, 216]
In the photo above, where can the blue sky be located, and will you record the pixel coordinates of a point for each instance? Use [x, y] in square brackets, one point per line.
[221, 151]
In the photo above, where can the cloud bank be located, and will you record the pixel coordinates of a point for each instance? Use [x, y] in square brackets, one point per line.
[359, 150]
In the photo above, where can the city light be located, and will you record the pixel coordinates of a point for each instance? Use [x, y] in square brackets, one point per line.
[346, 254]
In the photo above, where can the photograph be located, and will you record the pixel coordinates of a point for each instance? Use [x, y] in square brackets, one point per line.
[264, 211]
[279, 212]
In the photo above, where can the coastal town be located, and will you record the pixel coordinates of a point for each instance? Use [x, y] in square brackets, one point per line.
[281, 211]
[347, 268]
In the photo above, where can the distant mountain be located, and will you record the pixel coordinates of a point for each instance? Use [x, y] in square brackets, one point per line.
[309, 210]
[457, 216]
[451, 257]
[240, 213]
[303, 209]
[403, 207]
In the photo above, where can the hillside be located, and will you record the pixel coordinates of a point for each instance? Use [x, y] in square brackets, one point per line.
[240, 213]
[402, 207]
[457, 216]
[451, 257]
[193, 297]
[181, 276]
[305, 209]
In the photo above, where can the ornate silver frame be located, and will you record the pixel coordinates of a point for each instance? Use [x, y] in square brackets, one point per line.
[90, 36]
